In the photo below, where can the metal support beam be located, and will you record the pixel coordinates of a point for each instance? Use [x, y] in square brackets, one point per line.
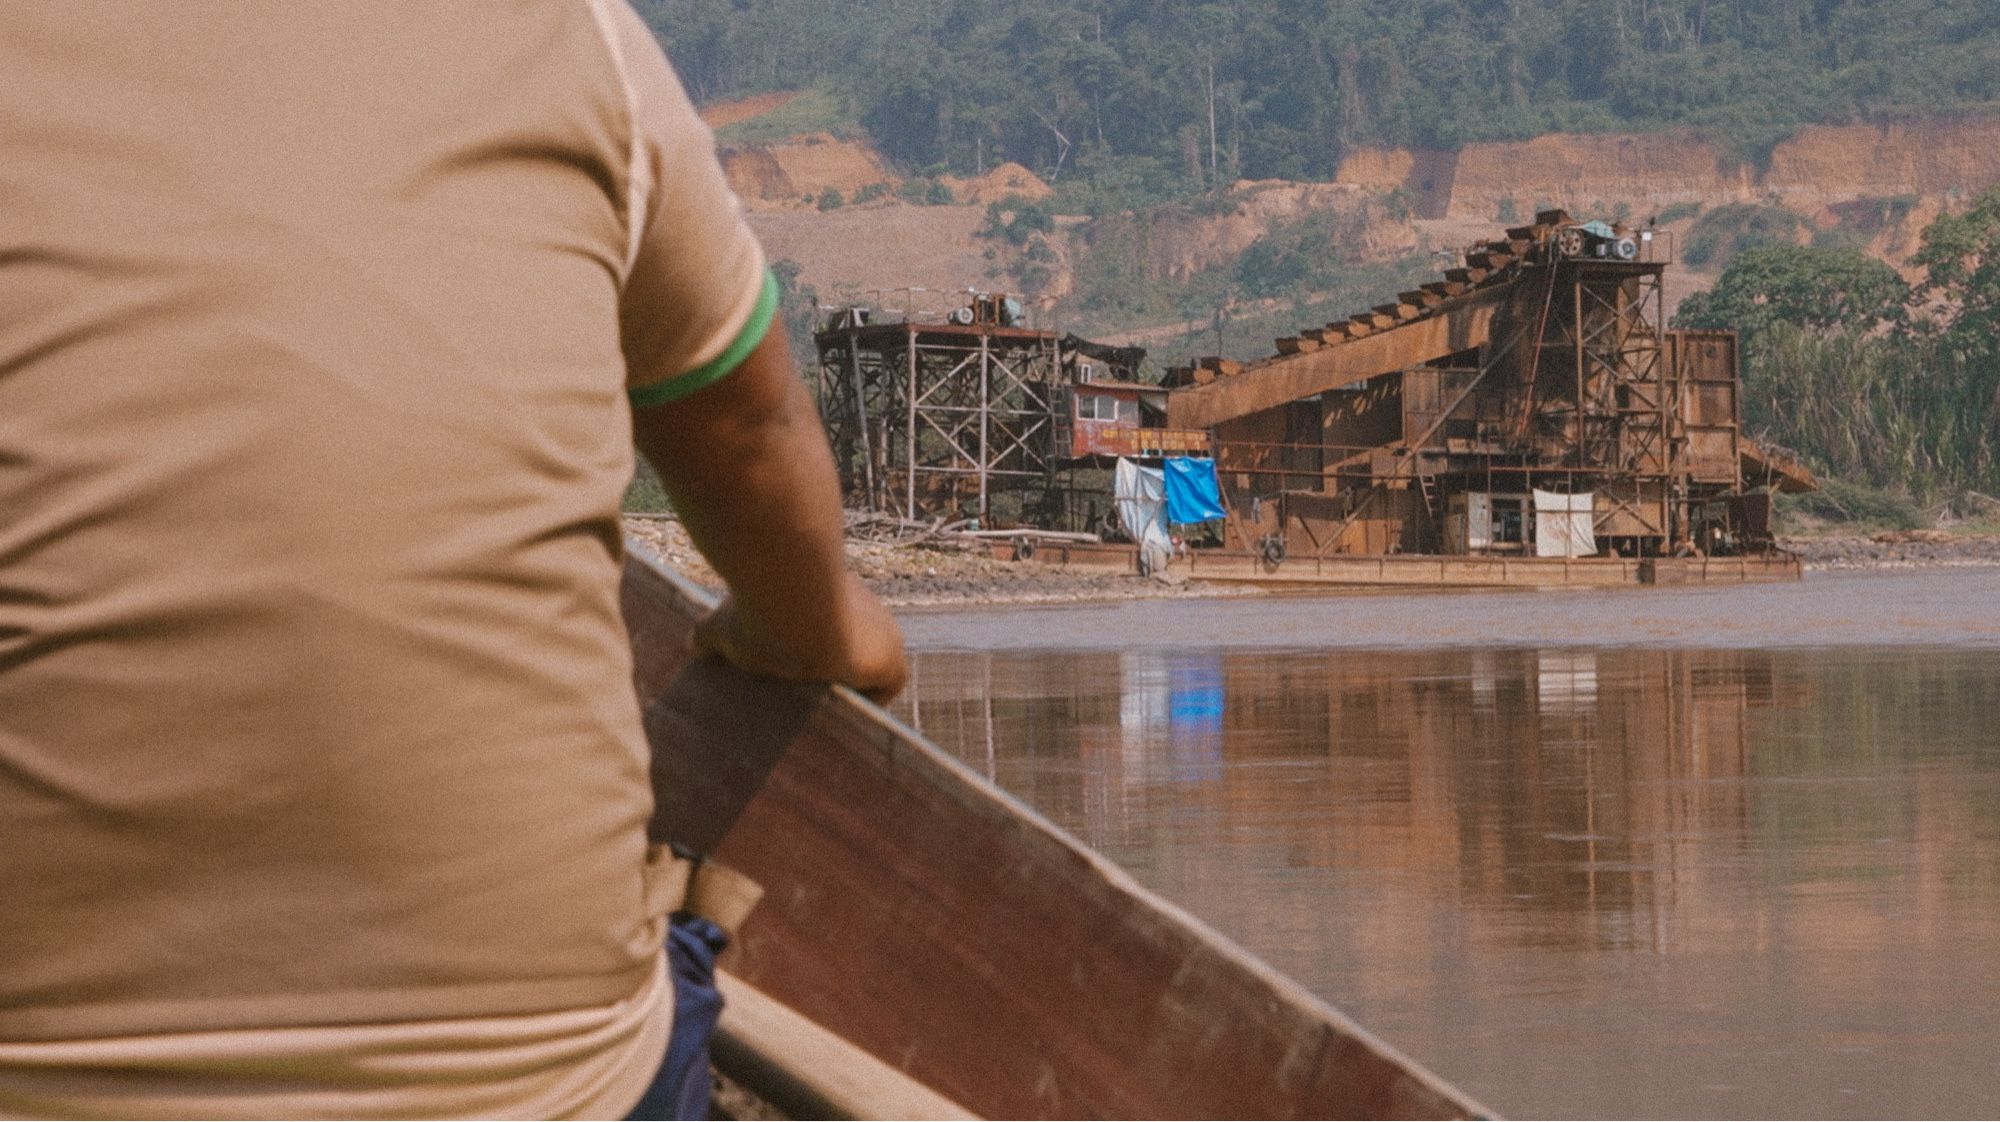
[1460, 325]
[930, 418]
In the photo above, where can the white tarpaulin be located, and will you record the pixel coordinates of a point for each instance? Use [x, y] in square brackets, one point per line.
[1565, 525]
[1140, 494]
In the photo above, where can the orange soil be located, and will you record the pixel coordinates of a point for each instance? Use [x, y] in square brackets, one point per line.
[724, 113]
[1009, 180]
[1936, 163]
[850, 252]
[793, 172]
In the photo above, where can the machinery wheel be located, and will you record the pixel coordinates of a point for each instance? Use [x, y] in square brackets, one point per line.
[1272, 549]
[1569, 241]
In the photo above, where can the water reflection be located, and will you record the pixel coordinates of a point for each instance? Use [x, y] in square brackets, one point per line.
[1580, 882]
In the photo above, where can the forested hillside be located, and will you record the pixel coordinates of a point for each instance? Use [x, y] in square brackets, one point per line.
[1155, 97]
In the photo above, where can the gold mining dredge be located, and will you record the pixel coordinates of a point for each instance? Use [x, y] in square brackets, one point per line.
[1526, 418]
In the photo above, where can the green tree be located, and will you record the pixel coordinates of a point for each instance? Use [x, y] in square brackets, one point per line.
[1015, 220]
[1961, 259]
[1805, 286]
[1264, 88]
[1728, 230]
[1872, 381]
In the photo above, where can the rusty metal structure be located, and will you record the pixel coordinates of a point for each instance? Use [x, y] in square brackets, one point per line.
[935, 413]
[1539, 371]
[951, 406]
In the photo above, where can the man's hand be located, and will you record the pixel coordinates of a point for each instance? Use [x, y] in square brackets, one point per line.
[746, 464]
[866, 652]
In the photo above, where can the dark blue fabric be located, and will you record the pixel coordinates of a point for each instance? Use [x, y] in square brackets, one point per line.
[680, 1090]
[1192, 492]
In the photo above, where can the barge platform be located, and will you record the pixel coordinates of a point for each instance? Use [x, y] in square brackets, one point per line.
[1419, 570]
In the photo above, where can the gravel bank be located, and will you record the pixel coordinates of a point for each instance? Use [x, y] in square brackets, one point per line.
[945, 574]
[1912, 549]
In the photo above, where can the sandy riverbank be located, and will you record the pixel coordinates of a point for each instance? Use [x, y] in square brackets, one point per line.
[947, 574]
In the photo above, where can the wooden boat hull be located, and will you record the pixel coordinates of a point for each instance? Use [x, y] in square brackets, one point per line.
[946, 929]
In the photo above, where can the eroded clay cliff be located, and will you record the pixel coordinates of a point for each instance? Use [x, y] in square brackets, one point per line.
[1820, 173]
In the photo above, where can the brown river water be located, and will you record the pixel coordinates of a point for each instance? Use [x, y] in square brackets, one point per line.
[1649, 853]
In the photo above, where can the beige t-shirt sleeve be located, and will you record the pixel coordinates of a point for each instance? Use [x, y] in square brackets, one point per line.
[698, 297]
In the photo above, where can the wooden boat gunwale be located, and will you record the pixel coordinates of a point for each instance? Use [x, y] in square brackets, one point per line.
[1344, 1070]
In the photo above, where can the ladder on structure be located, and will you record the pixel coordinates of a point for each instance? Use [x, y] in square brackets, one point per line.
[1427, 486]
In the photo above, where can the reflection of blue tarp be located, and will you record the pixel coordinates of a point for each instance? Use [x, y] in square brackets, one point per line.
[1195, 707]
[1192, 493]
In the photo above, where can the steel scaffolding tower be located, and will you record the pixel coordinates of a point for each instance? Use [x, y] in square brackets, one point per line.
[932, 420]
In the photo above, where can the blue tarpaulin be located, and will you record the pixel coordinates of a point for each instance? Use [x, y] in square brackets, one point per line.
[1192, 493]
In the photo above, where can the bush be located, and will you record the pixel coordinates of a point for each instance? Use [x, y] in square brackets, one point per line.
[830, 199]
[1033, 278]
[1298, 255]
[1214, 204]
[1015, 220]
[923, 190]
[1728, 230]
[645, 495]
[1105, 184]
[1856, 505]
[1900, 411]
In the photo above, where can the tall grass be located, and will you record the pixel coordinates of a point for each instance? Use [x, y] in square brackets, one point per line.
[1905, 411]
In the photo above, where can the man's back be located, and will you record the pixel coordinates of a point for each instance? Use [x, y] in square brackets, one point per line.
[314, 710]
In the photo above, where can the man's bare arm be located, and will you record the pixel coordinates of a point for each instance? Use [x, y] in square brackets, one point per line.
[746, 465]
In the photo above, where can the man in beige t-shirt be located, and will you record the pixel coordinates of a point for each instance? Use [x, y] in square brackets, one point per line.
[325, 333]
